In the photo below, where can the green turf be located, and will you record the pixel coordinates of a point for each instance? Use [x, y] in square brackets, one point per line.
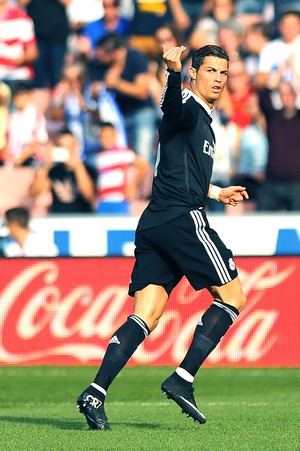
[246, 409]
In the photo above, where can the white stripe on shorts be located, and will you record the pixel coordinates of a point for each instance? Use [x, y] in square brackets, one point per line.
[210, 247]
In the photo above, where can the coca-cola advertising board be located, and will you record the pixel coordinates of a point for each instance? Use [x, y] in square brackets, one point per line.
[63, 311]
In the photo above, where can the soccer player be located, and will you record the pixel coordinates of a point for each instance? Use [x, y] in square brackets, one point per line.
[174, 239]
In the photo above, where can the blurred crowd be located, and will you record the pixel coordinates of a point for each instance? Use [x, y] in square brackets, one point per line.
[80, 89]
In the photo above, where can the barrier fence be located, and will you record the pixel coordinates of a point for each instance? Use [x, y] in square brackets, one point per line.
[63, 311]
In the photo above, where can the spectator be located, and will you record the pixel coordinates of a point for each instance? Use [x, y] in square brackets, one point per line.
[111, 22]
[81, 104]
[18, 45]
[24, 242]
[205, 30]
[256, 36]
[253, 152]
[69, 106]
[168, 36]
[227, 135]
[52, 30]
[5, 99]
[283, 52]
[147, 17]
[230, 37]
[186, 12]
[71, 181]
[281, 7]
[116, 185]
[125, 72]
[282, 186]
[26, 130]
[81, 13]
[250, 12]
[240, 90]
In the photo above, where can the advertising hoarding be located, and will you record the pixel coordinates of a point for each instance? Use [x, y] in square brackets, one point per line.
[63, 311]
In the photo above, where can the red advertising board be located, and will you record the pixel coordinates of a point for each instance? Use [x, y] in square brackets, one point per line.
[63, 312]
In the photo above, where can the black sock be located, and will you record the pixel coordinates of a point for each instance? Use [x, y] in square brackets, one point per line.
[121, 347]
[213, 325]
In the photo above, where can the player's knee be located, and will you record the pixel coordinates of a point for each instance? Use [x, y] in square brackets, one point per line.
[150, 319]
[152, 323]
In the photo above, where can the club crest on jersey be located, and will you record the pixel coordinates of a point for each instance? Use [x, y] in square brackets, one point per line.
[208, 149]
[231, 264]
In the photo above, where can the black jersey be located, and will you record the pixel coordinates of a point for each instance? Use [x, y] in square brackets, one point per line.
[184, 159]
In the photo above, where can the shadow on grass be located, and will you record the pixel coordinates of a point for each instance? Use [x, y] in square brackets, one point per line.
[137, 425]
[72, 424]
[60, 424]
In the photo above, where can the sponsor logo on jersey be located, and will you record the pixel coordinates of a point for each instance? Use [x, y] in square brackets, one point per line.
[208, 148]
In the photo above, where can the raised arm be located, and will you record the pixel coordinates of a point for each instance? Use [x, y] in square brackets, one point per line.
[172, 57]
[41, 181]
[171, 102]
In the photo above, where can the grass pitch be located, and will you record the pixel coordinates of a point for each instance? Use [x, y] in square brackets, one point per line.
[246, 409]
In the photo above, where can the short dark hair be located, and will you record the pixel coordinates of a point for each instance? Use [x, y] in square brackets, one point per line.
[65, 131]
[21, 87]
[19, 215]
[171, 27]
[207, 50]
[116, 3]
[111, 41]
[103, 124]
[289, 12]
[261, 27]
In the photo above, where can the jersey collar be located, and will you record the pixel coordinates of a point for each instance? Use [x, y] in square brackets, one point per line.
[202, 103]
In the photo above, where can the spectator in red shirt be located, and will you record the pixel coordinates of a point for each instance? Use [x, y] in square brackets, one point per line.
[240, 91]
[18, 45]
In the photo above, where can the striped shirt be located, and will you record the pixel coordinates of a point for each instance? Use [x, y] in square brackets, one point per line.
[16, 33]
[112, 166]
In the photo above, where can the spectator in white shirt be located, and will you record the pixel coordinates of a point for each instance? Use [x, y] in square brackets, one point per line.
[281, 54]
[26, 130]
[25, 242]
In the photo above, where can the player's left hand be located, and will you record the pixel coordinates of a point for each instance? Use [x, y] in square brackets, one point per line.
[233, 195]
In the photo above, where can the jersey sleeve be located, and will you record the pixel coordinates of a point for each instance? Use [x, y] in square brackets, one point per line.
[171, 102]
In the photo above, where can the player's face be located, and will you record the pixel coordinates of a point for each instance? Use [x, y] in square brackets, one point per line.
[210, 80]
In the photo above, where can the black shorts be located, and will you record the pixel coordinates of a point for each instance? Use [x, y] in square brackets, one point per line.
[185, 246]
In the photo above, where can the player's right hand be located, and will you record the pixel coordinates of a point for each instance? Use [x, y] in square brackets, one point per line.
[172, 57]
[233, 195]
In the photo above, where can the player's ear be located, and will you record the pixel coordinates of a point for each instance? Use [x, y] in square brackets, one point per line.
[193, 73]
